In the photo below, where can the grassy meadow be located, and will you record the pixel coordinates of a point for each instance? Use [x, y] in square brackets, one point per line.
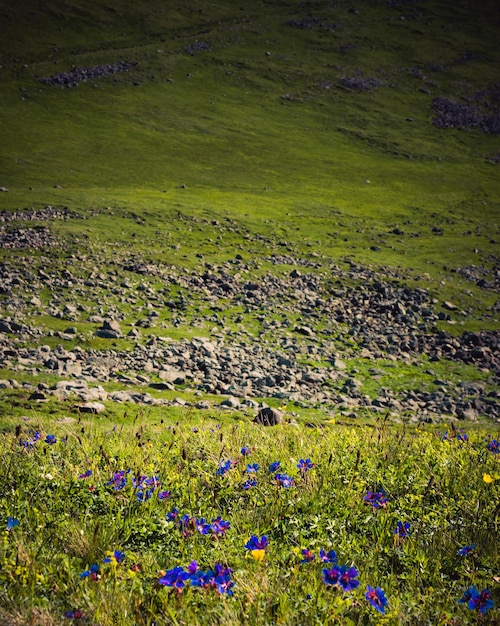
[250, 139]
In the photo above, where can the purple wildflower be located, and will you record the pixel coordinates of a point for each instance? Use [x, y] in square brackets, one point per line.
[172, 515]
[330, 576]
[202, 526]
[245, 451]
[118, 480]
[347, 578]
[75, 614]
[342, 576]
[85, 474]
[376, 597]
[307, 556]
[164, 495]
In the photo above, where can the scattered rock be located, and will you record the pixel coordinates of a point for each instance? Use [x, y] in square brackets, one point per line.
[92, 407]
[268, 416]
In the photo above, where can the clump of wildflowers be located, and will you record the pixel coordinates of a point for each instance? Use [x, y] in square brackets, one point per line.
[378, 500]
[188, 524]
[93, 573]
[29, 443]
[459, 435]
[477, 600]
[218, 578]
[341, 576]
[376, 597]
[116, 556]
[175, 578]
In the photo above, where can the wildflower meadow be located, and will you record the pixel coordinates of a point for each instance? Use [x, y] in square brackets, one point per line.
[224, 522]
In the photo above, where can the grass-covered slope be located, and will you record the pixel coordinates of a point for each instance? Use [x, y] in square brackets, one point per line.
[286, 132]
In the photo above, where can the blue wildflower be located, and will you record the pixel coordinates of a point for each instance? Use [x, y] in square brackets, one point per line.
[376, 597]
[245, 451]
[224, 466]
[175, 578]
[172, 515]
[50, 439]
[305, 465]
[92, 573]
[274, 467]
[494, 446]
[284, 480]
[116, 556]
[249, 484]
[252, 468]
[220, 526]
[402, 530]
[12, 522]
[328, 557]
[476, 600]
[85, 474]
[341, 575]
[202, 526]
[466, 550]
[254, 543]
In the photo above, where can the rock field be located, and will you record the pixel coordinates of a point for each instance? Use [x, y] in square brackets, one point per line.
[290, 336]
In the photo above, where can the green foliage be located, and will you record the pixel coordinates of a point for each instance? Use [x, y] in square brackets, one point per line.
[68, 522]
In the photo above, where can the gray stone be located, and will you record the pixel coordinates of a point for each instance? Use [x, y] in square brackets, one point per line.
[268, 416]
[92, 407]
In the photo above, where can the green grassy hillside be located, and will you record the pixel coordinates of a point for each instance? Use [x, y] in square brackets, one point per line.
[283, 129]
